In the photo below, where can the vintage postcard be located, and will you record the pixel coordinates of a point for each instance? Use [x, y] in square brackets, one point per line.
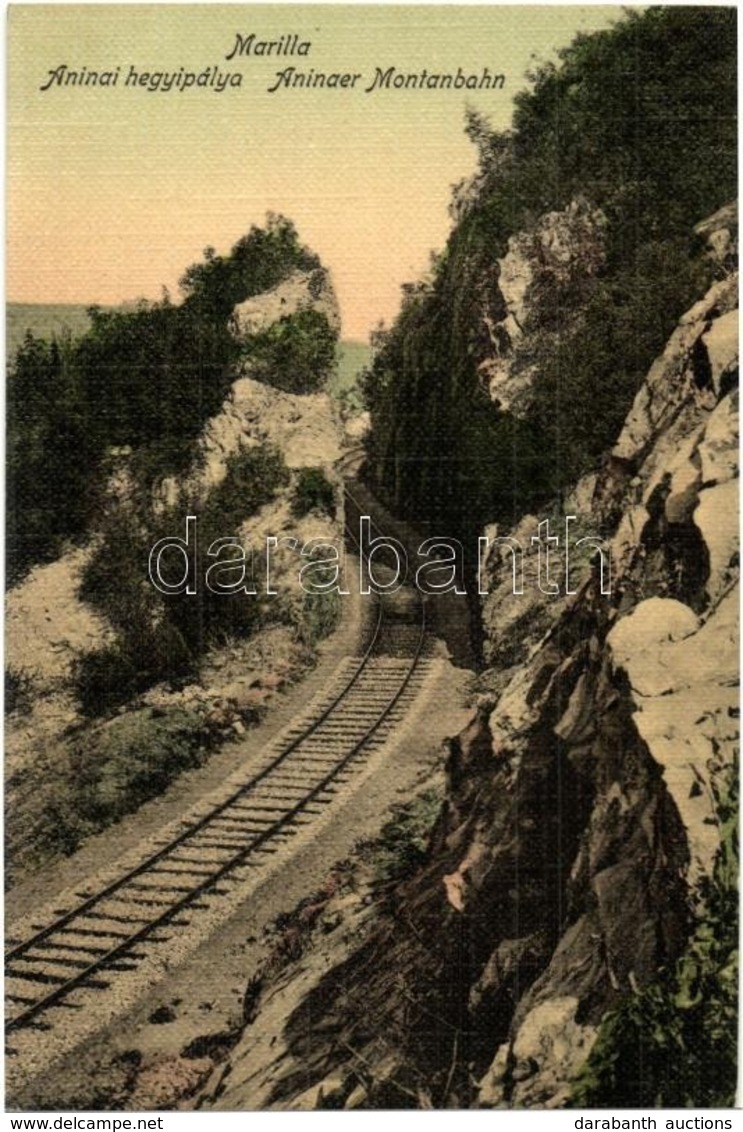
[371, 707]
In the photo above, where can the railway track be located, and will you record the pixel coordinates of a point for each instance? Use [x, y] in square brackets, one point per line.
[83, 948]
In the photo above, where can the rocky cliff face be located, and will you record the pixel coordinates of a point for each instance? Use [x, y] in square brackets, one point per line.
[580, 820]
[626, 713]
[300, 291]
[304, 427]
[561, 248]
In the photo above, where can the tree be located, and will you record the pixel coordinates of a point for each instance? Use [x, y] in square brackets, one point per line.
[297, 353]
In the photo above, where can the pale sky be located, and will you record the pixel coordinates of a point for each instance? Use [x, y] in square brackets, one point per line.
[113, 191]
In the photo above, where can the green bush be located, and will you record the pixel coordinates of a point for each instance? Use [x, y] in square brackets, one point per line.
[319, 617]
[155, 375]
[162, 636]
[54, 448]
[114, 770]
[313, 491]
[402, 845]
[253, 476]
[320, 611]
[296, 354]
[106, 678]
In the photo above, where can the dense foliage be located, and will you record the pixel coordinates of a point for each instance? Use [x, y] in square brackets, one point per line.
[53, 453]
[154, 375]
[313, 491]
[638, 120]
[94, 780]
[146, 379]
[162, 636]
[297, 353]
[256, 263]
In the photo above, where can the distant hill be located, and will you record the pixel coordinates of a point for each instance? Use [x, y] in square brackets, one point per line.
[353, 356]
[43, 320]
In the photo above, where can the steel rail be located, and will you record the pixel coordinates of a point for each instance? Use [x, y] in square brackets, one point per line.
[148, 862]
[216, 874]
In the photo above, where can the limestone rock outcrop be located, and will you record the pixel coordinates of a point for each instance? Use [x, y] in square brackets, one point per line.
[627, 707]
[300, 291]
[304, 427]
[561, 247]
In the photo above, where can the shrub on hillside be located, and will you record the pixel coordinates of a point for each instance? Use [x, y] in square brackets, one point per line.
[119, 767]
[147, 378]
[313, 491]
[18, 691]
[108, 677]
[319, 617]
[162, 636]
[54, 447]
[296, 354]
[402, 845]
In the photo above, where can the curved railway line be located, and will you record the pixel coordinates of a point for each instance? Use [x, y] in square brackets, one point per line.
[83, 947]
